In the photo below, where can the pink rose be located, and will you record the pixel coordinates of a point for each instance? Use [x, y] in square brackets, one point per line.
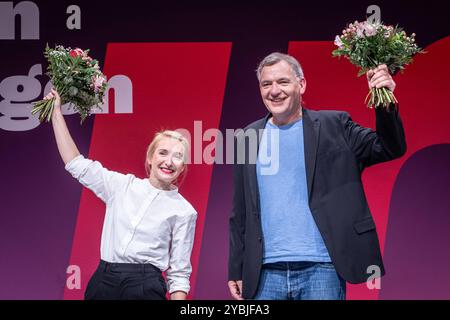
[76, 53]
[369, 29]
[97, 82]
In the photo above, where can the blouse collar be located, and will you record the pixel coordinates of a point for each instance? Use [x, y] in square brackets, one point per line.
[154, 189]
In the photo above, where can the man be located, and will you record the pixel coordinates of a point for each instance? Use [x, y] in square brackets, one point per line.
[305, 230]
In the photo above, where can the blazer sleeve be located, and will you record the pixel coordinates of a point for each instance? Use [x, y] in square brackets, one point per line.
[237, 222]
[370, 147]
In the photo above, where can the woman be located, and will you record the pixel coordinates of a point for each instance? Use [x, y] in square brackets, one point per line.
[148, 228]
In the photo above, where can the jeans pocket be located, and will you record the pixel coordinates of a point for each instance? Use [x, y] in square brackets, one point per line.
[326, 265]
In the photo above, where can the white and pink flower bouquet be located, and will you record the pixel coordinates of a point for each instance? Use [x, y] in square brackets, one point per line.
[78, 80]
[368, 45]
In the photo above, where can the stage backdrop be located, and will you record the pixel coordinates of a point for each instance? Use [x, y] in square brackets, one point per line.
[191, 66]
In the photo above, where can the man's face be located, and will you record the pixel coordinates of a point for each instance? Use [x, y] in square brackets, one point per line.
[281, 90]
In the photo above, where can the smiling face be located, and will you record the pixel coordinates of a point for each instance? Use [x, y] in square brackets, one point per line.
[281, 91]
[166, 162]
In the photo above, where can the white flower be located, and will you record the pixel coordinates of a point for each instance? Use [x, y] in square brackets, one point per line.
[338, 42]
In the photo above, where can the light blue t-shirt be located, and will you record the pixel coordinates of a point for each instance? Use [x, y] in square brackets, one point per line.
[290, 232]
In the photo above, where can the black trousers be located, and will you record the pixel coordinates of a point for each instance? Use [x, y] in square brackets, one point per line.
[126, 281]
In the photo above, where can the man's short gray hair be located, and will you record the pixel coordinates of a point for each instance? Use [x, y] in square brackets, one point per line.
[276, 57]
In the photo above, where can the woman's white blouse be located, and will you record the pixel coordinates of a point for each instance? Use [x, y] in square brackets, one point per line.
[142, 224]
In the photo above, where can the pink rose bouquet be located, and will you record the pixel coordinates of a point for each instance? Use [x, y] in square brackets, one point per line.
[78, 80]
[368, 45]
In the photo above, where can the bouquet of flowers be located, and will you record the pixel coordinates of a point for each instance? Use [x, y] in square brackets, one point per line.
[368, 45]
[76, 77]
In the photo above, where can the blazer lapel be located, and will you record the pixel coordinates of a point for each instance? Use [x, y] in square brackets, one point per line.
[251, 168]
[311, 132]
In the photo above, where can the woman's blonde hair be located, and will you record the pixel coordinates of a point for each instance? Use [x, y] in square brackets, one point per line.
[153, 145]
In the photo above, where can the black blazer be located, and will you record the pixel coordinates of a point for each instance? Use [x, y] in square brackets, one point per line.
[336, 152]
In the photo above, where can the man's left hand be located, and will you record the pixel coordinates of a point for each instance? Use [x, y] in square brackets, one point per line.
[380, 77]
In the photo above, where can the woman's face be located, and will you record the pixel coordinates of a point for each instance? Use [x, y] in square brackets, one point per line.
[166, 163]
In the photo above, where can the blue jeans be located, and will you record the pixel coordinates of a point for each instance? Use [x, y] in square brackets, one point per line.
[300, 281]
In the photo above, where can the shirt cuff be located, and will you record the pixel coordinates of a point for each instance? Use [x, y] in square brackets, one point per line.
[180, 286]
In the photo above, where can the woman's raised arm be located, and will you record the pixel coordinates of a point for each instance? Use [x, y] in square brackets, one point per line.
[66, 146]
